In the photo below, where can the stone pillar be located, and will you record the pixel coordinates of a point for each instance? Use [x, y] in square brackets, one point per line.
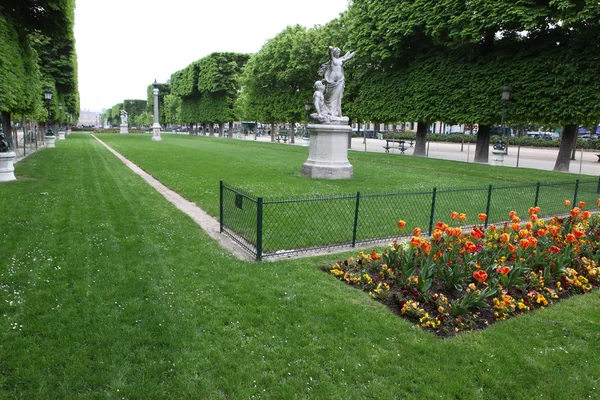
[328, 152]
[7, 169]
[156, 126]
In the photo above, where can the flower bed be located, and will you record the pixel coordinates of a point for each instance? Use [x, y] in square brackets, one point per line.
[460, 281]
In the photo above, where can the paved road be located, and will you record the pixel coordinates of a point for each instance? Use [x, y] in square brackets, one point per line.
[527, 157]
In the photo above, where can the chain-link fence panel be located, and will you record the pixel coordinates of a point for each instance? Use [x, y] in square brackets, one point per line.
[379, 214]
[307, 224]
[239, 217]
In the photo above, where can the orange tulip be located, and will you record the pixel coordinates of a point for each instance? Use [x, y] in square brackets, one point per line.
[415, 242]
[578, 233]
[401, 224]
[503, 270]
[470, 247]
[575, 211]
[504, 238]
[524, 233]
[477, 233]
[453, 215]
[426, 246]
[567, 203]
[482, 217]
[436, 234]
[532, 241]
[524, 243]
[512, 214]
[462, 217]
[586, 215]
[512, 247]
[493, 228]
[528, 225]
[582, 204]
[570, 238]
[480, 275]
[417, 232]
[531, 210]
[457, 232]
[516, 220]
[533, 217]
[598, 203]
[554, 250]
[441, 226]
[516, 227]
[541, 232]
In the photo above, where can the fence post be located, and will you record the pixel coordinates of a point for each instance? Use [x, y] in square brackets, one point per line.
[575, 195]
[220, 206]
[487, 207]
[259, 218]
[432, 211]
[355, 220]
[598, 189]
[537, 194]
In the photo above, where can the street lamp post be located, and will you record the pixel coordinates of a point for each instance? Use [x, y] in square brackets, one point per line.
[49, 134]
[156, 126]
[505, 98]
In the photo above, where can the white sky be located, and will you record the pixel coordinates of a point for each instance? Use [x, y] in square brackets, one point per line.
[123, 45]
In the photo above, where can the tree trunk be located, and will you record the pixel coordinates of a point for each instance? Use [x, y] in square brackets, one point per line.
[574, 148]
[293, 129]
[211, 129]
[230, 127]
[482, 148]
[272, 132]
[566, 145]
[220, 129]
[421, 140]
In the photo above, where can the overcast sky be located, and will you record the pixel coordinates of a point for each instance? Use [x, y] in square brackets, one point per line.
[123, 45]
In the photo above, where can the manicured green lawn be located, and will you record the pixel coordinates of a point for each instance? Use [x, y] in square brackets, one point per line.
[116, 294]
[193, 166]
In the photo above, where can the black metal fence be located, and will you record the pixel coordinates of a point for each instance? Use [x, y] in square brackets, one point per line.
[272, 227]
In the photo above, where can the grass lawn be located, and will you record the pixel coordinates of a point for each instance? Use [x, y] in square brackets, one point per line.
[108, 291]
[193, 166]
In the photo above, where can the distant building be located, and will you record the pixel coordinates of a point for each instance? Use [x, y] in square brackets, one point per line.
[89, 119]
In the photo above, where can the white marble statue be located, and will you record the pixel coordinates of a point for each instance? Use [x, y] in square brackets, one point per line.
[123, 117]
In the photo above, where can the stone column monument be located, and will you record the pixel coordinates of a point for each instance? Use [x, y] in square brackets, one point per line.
[124, 126]
[156, 126]
[329, 130]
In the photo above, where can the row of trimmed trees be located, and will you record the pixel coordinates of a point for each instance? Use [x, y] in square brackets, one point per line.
[38, 53]
[418, 60]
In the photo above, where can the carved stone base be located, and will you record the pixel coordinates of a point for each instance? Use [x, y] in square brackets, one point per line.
[61, 135]
[50, 141]
[497, 157]
[156, 133]
[124, 129]
[328, 152]
[7, 169]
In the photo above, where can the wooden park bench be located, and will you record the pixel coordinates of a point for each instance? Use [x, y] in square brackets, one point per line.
[391, 144]
[282, 137]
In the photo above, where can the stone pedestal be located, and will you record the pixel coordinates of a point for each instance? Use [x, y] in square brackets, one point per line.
[497, 157]
[7, 169]
[124, 129]
[50, 141]
[328, 152]
[61, 135]
[156, 133]
[305, 141]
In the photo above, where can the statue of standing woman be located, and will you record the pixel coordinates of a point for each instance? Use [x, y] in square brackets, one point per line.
[123, 117]
[333, 74]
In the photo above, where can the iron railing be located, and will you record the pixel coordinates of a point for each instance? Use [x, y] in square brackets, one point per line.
[271, 227]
